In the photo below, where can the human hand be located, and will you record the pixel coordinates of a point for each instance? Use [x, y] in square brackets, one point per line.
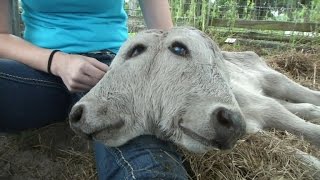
[78, 73]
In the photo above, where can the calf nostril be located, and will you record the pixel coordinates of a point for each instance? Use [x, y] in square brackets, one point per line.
[224, 118]
[76, 114]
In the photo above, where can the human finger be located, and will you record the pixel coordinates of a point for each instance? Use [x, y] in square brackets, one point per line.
[75, 86]
[93, 71]
[86, 80]
[101, 66]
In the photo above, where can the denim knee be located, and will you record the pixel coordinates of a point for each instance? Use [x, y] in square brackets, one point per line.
[30, 98]
[144, 157]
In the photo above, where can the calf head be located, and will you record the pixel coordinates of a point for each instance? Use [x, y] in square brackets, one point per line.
[171, 84]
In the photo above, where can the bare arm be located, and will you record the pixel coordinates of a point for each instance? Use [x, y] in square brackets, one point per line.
[13, 47]
[78, 73]
[156, 14]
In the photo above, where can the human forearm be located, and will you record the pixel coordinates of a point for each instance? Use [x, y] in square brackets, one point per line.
[156, 14]
[13, 47]
[79, 73]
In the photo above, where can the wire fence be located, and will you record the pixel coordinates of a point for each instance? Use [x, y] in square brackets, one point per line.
[261, 19]
[281, 17]
[278, 10]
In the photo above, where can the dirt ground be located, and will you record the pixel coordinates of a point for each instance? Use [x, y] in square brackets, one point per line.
[54, 152]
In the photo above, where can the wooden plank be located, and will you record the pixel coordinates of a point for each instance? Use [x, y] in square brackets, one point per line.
[263, 44]
[15, 18]
[274, 45]
[133, 8]
[274, 37]
[267, 25]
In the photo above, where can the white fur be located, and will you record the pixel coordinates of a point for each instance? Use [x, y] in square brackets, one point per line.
[158, 92]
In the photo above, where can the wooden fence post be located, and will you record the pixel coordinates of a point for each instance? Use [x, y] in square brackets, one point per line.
[15, 18]
[133, 7]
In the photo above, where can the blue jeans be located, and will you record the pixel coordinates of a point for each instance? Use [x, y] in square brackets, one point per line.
[33, 99]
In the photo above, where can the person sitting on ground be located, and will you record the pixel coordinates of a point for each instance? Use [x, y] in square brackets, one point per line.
[66, 49]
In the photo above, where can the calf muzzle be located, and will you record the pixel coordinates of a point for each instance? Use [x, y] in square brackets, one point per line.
[229, 127]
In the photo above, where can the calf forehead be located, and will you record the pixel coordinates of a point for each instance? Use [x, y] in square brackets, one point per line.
[198, 43]
[197, 39]
[158, 58]
[149, 39]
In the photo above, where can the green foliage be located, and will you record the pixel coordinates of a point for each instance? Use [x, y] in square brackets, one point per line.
[315, 11]
[198, 12]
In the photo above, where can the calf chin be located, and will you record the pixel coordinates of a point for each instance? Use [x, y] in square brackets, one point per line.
[102, 121]
[213, 127]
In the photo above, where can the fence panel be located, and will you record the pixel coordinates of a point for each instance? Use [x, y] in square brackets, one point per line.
[282, 17]
[15, 18]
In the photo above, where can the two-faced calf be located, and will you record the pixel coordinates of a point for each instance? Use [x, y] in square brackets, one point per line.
[171, 84]
[179, 86]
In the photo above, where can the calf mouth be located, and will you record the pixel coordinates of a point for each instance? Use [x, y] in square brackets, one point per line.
[92, 136]
[217, 144]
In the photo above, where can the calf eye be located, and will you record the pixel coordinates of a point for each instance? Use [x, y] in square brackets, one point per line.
[136, 50]
[179, 49]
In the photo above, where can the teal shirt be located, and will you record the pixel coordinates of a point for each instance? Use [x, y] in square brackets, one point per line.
[75, 26]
